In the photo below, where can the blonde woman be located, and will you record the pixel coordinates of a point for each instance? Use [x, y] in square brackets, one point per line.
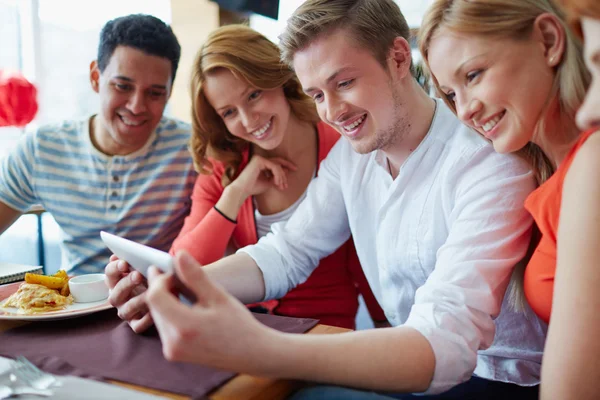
[512, 70]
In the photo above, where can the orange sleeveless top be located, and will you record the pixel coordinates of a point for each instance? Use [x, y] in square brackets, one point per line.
[544, 206]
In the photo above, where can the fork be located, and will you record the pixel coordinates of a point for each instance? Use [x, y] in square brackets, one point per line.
[34, 377]
[16, 388]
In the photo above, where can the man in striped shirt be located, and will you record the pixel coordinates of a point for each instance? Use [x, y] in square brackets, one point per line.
[127, 169]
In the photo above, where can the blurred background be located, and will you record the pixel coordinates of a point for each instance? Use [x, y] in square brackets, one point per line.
[52, 42]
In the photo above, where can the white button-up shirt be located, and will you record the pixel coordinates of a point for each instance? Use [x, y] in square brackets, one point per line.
[437, 245]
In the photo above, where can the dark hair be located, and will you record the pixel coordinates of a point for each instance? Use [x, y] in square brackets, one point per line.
[143, 32]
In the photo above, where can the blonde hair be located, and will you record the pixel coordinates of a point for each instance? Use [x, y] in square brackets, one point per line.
[514, 19]
[249, 56]
[374, 24]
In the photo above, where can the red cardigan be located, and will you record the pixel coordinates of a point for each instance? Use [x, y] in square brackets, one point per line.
[330, 293]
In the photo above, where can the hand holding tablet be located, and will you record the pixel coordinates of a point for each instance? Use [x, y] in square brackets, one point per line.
[141, 257]
[137, 255]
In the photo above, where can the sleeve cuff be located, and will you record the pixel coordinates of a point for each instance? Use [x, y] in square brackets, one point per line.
[271, 265]
[454, 359]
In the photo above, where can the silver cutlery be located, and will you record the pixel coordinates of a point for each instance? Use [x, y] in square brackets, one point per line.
[18, 388]
[32, 375]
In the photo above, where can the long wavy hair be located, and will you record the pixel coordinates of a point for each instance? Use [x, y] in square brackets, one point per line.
[514, 20]
[249, 56]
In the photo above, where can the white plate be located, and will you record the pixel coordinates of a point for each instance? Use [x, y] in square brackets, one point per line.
[71, 311]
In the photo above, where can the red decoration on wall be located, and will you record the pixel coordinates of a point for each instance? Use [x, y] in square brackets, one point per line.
[18, 99]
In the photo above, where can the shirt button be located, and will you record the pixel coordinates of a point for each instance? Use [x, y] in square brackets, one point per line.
[113, 207]
[114, 194]
[115, 178]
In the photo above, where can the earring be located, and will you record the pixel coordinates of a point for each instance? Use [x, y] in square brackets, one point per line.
[551, 60]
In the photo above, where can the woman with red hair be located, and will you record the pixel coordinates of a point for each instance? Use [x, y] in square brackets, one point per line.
[18, 104]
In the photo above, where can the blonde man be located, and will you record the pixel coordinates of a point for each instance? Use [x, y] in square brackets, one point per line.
[436, 215]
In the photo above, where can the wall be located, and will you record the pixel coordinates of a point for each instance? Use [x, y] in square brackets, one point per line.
[192, 21]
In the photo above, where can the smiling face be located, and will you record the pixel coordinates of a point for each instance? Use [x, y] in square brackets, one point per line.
[588, 115]
[352, 91]
[134, 89]
[499, 86]
[254, 115]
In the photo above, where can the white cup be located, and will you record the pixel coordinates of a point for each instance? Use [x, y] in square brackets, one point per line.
[88, 288]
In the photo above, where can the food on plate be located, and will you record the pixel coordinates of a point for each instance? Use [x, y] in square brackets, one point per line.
[65, 290]
[58, 281]
[41, 293]
[50, 282]
[34, 298]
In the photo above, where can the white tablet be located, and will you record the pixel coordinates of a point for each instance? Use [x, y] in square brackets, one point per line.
[141, 257]
[137, 255]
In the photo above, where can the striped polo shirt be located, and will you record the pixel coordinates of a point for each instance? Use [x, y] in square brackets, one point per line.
[143, 196]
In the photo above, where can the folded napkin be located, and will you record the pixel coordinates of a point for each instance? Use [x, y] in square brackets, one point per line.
[74, 388]
[101, 346]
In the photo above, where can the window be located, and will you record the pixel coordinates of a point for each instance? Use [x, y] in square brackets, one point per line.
[271, 28]
[9, 34]
[412, 10]
[10, 59]
[69, 42]
[53, 42]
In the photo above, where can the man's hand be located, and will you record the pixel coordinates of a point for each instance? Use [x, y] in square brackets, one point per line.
[128, 294]
[217, 330]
